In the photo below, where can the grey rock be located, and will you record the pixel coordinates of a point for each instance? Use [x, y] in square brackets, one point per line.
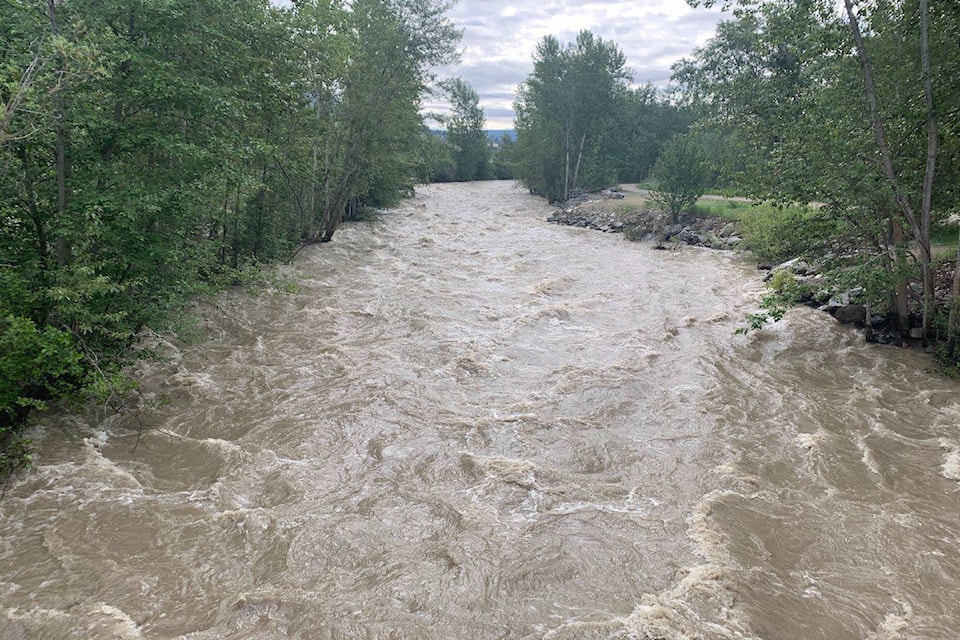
[851, 314]
[796, 266]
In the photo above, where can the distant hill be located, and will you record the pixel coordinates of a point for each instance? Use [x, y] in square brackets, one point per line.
[492, 134]
[496, 134]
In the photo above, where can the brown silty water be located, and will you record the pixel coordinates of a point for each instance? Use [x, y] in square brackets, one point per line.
[473, 424]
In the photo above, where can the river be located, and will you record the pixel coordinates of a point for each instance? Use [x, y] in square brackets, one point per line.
[471, 424]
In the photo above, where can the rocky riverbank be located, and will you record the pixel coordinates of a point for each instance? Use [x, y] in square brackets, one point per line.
[609, 213]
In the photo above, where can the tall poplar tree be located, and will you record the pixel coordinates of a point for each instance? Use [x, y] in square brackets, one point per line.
[466, 131]
[563, 109]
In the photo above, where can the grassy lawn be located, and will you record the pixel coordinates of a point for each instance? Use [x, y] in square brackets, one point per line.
[943, 239]
[780, 233]
[740, 210]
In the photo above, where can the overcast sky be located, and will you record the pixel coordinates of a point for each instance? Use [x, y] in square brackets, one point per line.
[500, 35]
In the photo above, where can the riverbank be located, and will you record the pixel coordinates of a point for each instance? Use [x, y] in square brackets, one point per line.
[632, 215]
[804, 282]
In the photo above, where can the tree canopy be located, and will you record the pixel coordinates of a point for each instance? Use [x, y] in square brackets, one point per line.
[852, 106]
[465, 132]
[151, 150]
[581, 126]
[562, 109]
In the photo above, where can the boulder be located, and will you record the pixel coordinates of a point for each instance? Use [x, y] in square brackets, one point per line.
[796, 266]
[851, 314]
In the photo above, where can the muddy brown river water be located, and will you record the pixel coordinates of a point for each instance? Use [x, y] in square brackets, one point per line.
[471, 424]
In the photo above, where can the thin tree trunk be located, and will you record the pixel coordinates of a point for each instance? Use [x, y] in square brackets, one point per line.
[62, 160]
[902, 289]
[13, 103]
[933, 140]
[868, 321]
[309, 227]
[566, 162]
[919, 228]
[953, 323]
[576, 171]
[333, 212]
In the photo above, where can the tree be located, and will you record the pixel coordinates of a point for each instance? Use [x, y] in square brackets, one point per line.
[682, 175]
[503, 158]
[816, 95]
[437, 162]
[644, 122]
[374, 152]
[150, 151]
[466, 131]
[562, 110]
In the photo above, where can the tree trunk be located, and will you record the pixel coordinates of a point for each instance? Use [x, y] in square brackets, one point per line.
[933, 140]
[13, 103]
[333, 212]
[576, 171]
[901, 295]
[919, 228]
[327, 168]
[566, 162]
[308, 230]
[62, 158]
[953, 324]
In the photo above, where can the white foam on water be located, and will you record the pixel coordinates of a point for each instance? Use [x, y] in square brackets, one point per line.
[15, 614]
[701, 604]
[866, 455]
[508, 470]
[98, 620]
[950, 468]
[674, 614]
[116, 623]
[570, 508]
[895, 625]
[811, 441]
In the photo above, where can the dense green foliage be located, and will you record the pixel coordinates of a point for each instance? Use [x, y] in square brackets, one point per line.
[465, 132]
[682, 174]
[152, 150]
[852, 106]
[644, 123]
[775, 234]
[580, 126]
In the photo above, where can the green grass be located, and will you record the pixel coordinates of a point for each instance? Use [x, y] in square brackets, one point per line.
[945, 235]
[727, 209]
[725, 192]
[772, 233]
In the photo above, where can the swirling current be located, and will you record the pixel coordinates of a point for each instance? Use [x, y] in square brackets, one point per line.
[470, 424]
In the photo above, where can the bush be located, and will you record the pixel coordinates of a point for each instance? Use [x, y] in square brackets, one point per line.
[682, 174]
[775, 235]
[37, 365]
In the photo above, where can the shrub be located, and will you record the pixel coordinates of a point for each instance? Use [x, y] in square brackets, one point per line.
[38, 364]
[682, 175]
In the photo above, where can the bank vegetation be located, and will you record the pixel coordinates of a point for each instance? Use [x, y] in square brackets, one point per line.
[841, 120]
[150, 151]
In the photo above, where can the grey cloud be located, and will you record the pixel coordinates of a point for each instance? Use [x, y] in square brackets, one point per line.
[500, 37]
